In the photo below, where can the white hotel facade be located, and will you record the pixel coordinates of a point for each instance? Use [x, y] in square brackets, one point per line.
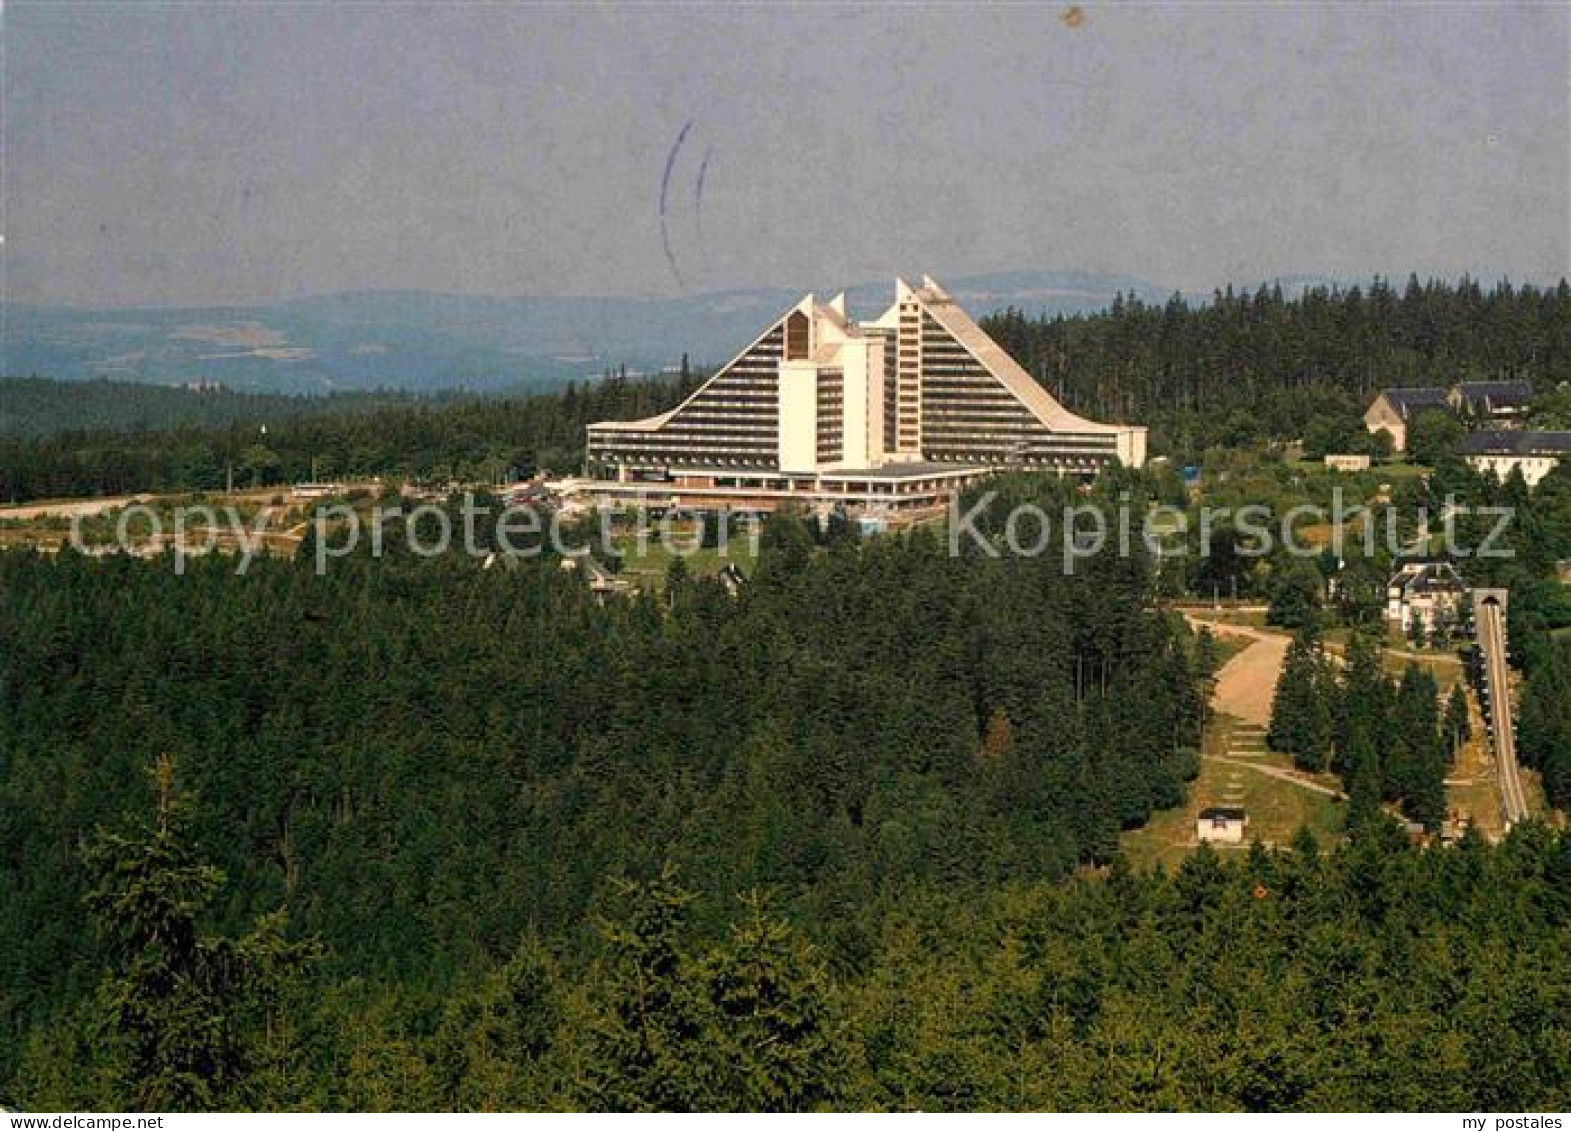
[896, 413]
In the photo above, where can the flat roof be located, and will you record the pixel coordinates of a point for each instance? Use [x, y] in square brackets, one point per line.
[756, 472]
[916, 469]
[1516, 443]
[913, 469]
[1522, 390]
[1220, 813]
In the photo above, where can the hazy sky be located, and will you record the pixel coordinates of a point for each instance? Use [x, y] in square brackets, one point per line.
[200, 153]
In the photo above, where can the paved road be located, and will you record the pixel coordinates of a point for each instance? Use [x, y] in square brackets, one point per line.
[1489, 623]
[1247, 682]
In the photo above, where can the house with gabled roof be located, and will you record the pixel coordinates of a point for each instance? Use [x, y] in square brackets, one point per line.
[1480, 404]
[1394, 411]
[1499, 404]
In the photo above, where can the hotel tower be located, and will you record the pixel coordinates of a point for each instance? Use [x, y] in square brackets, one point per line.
[897, 412]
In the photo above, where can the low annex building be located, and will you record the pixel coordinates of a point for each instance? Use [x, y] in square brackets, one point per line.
[1221, 825]
[1347, 463]
[897, 413]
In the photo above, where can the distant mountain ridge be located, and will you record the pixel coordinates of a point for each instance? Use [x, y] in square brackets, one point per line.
[423, 341]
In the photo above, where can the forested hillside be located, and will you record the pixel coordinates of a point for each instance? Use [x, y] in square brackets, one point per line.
[798, 847]
[803, 846]
[439, 439]
[1256, 366]
[1375, 977]
[34, 406]
[418, 834]
[423, 760]
[1244, 368]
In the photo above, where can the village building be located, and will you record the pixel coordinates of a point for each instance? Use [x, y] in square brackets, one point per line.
[1221, 825]
[1534, 454]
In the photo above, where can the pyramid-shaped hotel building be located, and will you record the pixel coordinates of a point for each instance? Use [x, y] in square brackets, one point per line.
[896, 413]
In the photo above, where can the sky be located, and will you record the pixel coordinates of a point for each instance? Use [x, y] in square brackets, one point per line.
[206, 153]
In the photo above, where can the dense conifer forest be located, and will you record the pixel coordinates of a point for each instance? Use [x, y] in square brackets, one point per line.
[469, 839]
[421, 834]
[423, 760]
[288, 439]
[1252, 366]
[36, 406]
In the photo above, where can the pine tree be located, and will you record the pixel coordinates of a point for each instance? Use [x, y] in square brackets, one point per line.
[1295, 596]
[1208, 662]
[1417, 773]
[647, 1048]
[1544, 729]
[1362, 703]
[771, 1026]
[678, 581]
[1364, 814]
[1458, 725]
[1300, 711]
[491, 1044]
[180, 1014]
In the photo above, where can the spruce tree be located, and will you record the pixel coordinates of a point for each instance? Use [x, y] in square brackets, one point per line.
[1458, 726]
[771, 1024]
[493, 1043]
[1295, 596]
[1364, 814]
[1300, 711]
[180, 1014]
[1418, 700]
[1361, 704]
[647, 1049]
[1544, 728]
[1208, 662]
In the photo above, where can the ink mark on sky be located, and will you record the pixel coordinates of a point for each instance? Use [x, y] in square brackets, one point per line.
[698, 205]
[665, 187]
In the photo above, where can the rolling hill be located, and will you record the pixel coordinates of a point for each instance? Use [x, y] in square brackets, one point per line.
[423, 341]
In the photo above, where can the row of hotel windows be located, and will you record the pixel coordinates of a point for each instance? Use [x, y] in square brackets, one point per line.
[979, 434]
[740, 382]
[1025, 435]
[1029, 445]
[745, 411]
[831, 413]
[992, 407]
[670, 463]
[729, 388]
[667, 462]
[687, 443]
[657, 450]
[1002, 409]
[976, 441]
